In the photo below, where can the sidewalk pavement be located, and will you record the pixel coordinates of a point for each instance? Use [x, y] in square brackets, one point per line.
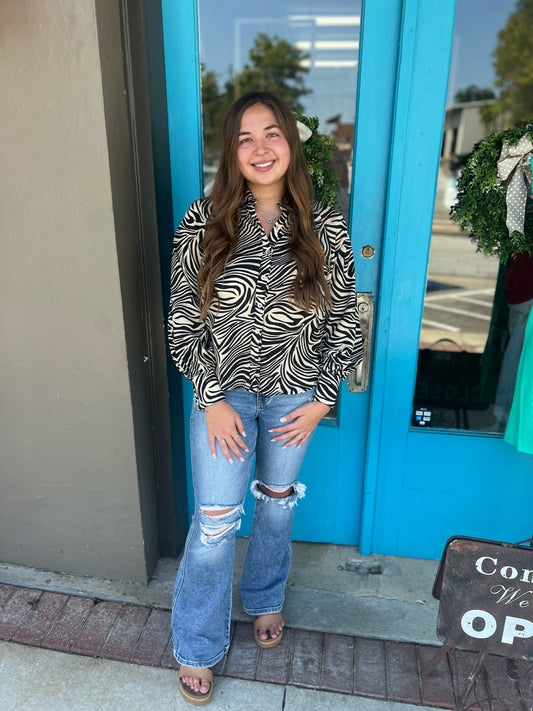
[352, 641]
[33, 679]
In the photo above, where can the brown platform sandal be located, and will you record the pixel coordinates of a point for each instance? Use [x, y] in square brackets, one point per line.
[195, 697]
[264, 621]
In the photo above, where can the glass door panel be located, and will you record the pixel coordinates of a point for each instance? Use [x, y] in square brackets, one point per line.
[305, 51]
[467, 361]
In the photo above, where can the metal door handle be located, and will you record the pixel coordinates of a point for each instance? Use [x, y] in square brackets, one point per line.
[358, 378]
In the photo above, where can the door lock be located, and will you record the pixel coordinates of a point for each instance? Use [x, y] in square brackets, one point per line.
[358, 378]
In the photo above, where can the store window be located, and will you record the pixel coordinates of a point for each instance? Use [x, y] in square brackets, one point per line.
[307, 52]
[476, 305]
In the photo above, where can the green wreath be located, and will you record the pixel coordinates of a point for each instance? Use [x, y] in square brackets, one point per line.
[481, 208]
[318, 151]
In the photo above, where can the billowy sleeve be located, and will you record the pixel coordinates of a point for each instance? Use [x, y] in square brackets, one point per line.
[189, 337]
[342, 344]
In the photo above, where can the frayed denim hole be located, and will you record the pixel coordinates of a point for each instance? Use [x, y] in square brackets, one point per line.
[286, 502]
[216, 528]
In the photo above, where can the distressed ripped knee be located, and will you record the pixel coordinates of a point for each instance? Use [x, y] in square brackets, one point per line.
[287, 496]
[219, 522]
[276, 492]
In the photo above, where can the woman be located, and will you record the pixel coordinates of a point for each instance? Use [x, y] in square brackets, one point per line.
[263, 322]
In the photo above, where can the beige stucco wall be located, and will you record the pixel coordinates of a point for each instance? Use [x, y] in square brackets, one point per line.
[69, 493]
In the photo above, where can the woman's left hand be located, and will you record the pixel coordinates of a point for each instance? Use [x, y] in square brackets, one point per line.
[301, 423]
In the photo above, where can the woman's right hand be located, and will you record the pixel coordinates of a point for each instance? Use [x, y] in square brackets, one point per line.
[225, 427]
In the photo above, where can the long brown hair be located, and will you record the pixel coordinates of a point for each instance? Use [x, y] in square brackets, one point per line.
[221, 233]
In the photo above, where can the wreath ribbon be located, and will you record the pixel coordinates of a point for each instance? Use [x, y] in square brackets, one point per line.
[304, 131]
[515, 166]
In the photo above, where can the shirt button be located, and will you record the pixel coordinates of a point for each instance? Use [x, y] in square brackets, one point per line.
[257, 330]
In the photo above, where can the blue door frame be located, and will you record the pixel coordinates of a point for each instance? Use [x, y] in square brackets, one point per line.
[335, 463]
[419, 486]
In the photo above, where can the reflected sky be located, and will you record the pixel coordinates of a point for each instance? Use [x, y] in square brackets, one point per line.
[330, 32]
[477, 23]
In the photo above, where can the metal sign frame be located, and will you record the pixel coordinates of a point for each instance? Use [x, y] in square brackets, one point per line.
[485, 590]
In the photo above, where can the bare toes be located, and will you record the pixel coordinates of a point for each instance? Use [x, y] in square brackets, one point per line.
[196, 684]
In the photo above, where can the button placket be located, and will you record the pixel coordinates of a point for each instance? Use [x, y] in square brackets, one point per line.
[259, 311]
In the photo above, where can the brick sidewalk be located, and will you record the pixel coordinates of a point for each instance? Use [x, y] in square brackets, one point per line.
[357, 666]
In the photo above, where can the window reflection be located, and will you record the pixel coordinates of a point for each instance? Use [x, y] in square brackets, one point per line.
[475, 306]
[303, 51]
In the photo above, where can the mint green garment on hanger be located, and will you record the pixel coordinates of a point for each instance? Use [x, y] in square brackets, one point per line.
[520, 425]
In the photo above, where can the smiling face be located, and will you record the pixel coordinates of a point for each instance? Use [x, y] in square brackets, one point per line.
[263, 153]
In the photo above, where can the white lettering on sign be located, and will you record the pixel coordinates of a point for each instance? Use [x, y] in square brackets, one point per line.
[489, 626]
[516, 627]
[489, 566]
[481, 569]
[513, 627]
[509, 595]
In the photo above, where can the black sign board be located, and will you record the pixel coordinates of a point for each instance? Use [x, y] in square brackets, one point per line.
[486, 599]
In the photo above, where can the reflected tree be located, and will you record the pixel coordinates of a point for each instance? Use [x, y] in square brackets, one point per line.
[513, 66]
[273, 65]
[474, 93]
[214, 105]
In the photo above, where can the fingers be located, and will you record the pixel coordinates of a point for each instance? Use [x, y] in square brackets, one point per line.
[225, 427]
[301, 421]
[240, 426]
[235, 441]
[297, 440]
[294, 433]
[290, 425]
[299, 425]
[212, 445]
[295, 430]
[232, 444]
[294, 414]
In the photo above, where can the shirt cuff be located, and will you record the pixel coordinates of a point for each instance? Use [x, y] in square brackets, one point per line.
[327, 389]
[207, 390]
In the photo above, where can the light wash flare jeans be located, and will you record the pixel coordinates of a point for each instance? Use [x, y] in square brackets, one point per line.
[201, 609]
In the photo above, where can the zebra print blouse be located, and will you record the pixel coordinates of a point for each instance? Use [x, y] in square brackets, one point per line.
[257, 338]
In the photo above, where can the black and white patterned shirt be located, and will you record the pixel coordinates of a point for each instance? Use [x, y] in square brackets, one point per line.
[258, 339]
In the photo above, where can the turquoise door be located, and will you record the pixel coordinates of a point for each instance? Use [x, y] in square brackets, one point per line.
[374, 479]
[443, 468]
[334, 467]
